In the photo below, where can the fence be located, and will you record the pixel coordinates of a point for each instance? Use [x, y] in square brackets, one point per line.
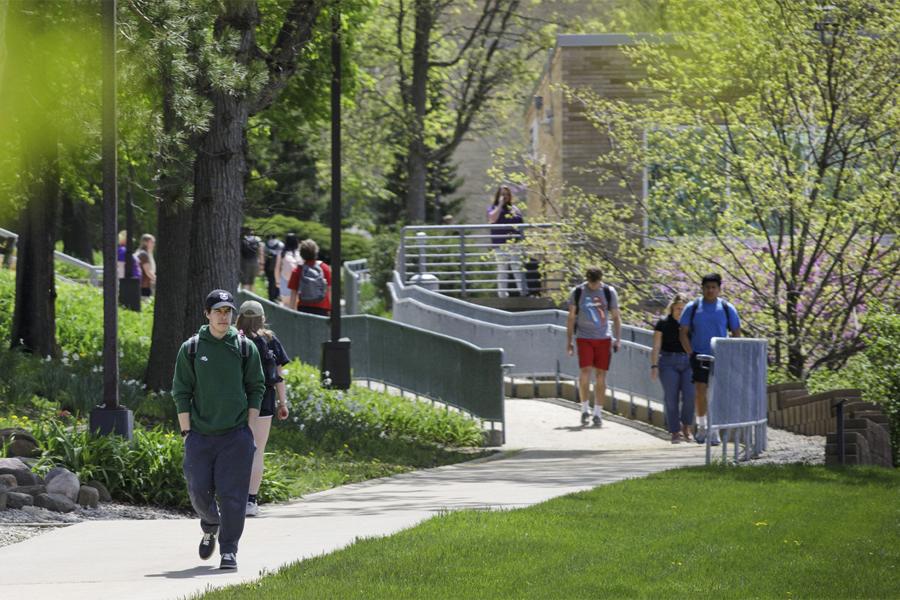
[439, 367]
[532, 350]
[355, 272]
[94, 273]
[738, 396]
[464, 260]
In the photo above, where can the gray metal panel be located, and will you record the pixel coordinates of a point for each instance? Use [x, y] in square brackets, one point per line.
[429, 364]
[739, 381]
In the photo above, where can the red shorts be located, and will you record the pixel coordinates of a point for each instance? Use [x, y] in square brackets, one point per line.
[594, 353]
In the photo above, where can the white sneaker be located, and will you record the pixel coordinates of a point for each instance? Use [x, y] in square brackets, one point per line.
[252, 509]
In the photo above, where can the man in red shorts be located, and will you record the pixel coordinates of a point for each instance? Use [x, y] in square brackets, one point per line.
[593, 308]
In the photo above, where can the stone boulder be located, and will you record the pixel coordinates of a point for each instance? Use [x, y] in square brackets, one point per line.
[8, 482]
[105, 496]
[65, 483]
[88, 497]
[54, 472]
[2, 500]
[21, 443]
[31, 490]
[54, 502]
[16, 500]
[17, 468]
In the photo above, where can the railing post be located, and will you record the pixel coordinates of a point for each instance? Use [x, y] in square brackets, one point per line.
[839, 414]
[420, 244]
[401, 255]
[462, 262]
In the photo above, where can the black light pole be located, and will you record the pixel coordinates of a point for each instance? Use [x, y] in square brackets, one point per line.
[336, 351]
[109, 417]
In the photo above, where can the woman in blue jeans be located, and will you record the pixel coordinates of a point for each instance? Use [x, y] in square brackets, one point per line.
[673, 365]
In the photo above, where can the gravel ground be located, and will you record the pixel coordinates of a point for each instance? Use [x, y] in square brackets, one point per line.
[786, 447]
[18, 525]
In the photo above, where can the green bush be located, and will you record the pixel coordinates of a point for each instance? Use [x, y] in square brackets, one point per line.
[146, 470]
[333, 418]
[381, 263]
[353, 245]
[79, 326]
[876, 371]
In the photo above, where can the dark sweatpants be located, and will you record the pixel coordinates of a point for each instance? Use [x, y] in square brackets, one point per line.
[217, 467]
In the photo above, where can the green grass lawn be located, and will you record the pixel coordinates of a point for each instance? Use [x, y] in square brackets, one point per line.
[750, 532]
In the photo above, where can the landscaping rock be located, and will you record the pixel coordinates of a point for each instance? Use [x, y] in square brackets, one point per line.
[17, 468]
[21, 443]
[31, 490]
[2, 500]
[16, 500]
[88, 497]
[54, 502]
[54, 472]
[7, 482]
[105, 496]
[66, 483]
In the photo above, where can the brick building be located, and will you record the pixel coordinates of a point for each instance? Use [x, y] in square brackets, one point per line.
[563, 143]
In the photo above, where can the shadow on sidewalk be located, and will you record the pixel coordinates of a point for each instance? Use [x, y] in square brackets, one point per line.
[192, 572]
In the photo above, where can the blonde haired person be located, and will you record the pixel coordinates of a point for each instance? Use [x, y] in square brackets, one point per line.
[144, 257]
[672, 365]
[251, 321]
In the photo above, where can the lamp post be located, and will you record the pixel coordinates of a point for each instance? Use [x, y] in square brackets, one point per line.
[110, 417]
[336, 351]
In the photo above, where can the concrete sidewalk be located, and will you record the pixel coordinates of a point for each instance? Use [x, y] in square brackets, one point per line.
[158, 559]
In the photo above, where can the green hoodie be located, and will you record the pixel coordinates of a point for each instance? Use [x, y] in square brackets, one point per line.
[220, 386]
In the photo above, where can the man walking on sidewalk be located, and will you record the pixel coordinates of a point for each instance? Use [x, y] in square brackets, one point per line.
[593, 306]
[218, 388]
[701, 321]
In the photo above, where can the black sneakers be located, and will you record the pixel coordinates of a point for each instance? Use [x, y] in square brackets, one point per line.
[598, 422]
[585, 418]
[207, 545]
[229, 561]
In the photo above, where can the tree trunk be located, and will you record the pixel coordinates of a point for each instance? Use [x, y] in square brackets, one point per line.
[173, 245]
[76, 229]
[417, 160]
[219, 176]
[34, 317]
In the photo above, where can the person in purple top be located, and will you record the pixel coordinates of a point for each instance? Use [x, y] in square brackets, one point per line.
[506, 215]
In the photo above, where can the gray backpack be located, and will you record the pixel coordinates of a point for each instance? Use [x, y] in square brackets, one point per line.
[313, 286]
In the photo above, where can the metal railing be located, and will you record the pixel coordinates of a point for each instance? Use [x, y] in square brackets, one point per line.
[473, 260]
[738, 400]
[536, 350]
[94, 273]
[439, 367]
[355, 273]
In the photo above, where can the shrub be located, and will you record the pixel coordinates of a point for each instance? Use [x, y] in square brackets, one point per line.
[353, 245]
[146, 470]
[332, 418]
[876, 371]
[381, 263]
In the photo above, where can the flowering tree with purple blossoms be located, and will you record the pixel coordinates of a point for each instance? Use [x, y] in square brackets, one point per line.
[765, 149]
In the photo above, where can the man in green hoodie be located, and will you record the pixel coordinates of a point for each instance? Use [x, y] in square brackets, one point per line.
[218, 388]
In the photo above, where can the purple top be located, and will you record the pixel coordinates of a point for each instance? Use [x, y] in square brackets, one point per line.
[511, 215]
[136, 266]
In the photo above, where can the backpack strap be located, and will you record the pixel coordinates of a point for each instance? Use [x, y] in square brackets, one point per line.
[194, 341]
[725, 307]
[607, 292]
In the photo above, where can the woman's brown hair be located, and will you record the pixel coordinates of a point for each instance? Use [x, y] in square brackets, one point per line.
[253, 326]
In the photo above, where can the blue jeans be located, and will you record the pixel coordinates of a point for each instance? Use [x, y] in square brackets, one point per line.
[675, 377]
[217, 470]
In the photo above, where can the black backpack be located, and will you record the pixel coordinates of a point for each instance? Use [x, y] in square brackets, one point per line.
[249, 246]
[607, 293]
[725, 307]
[267, 358]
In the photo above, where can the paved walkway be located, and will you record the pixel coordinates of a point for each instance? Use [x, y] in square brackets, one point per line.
[158, 559]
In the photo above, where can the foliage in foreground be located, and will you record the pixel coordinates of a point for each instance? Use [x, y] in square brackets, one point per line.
[760, 532]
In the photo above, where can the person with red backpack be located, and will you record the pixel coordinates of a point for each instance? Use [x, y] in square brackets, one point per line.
[593, 315]
[310, 283]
